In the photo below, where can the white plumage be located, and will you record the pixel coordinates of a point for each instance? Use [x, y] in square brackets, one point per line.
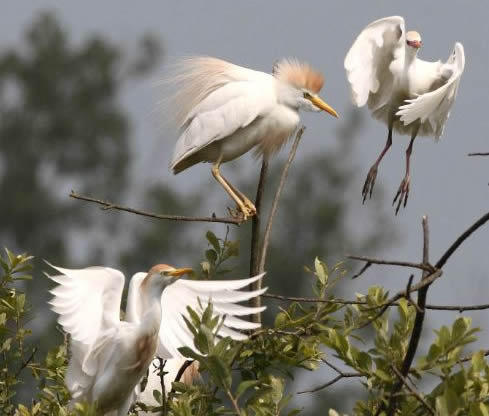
[410, 95]
[223, 110]
[109, 356]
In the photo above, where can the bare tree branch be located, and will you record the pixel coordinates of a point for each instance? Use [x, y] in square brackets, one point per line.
[418, 323]
[454, 308]
[109, 205]
[255, 238]
[456, 244]
[369, 260]
[273, 210]
[415, 393]
[341, 375]
[478, 154]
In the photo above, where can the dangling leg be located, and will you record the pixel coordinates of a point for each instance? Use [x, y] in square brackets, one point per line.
[247, 211]
[368, 187]
[403, 191]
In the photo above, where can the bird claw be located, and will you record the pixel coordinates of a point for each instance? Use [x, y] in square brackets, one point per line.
[368, 186]
[402, 194]
[242, 213]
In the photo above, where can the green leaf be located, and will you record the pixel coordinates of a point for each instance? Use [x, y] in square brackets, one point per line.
[245, 385]
[214, 242]
[219, 371]
[321, 271]
[382, 375]
[211, 256]
[478, 362]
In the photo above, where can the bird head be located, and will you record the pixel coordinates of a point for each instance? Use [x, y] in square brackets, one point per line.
[300, 85]
[413, 39]
[163, 275]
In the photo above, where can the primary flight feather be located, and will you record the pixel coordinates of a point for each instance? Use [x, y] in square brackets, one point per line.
[410, 95]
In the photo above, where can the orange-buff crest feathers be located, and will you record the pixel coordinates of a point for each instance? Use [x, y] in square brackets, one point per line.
[300, 74]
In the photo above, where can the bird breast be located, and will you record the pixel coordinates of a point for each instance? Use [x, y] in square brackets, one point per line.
[269, 133]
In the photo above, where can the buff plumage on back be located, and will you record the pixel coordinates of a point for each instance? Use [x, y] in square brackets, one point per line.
[299, 74]
[194, 78]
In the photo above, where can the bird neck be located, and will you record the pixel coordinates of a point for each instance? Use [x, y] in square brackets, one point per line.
[151, 310]
[410, 56]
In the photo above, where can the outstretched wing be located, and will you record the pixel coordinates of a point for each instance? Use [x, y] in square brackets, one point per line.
[375, 56]
[88, 304]
[224, 296]
[434, 107]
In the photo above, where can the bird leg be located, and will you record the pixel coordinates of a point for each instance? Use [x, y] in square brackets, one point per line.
[403, 191]
[368, 186]
[242, 196]
[248, 211]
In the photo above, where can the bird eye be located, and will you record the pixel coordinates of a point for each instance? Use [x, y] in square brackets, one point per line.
[307, 95]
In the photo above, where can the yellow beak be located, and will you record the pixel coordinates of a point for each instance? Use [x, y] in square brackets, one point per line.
[180, 272]
[323, 106]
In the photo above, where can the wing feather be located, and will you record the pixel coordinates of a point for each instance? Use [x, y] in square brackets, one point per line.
[197, 294]
[434, 107]
[88, 304]
[222, 113]
[373, 59]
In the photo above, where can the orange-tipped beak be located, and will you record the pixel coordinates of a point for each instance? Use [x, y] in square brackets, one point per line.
[414, 43]
[180, 272]
[319, 103]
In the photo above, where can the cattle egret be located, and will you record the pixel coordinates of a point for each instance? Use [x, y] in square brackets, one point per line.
[224, 110]
[411, 96]
[110, 356]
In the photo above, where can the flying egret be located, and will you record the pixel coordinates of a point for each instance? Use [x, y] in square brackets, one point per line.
[110, 356]
[224, 110]
[410, 95]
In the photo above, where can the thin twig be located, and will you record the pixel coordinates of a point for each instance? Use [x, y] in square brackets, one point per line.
[456, 244]
[418, 322]
[362, 270]
[161, 368]
[478, 154]
[109, 205]
[341, 375]
[179, 375]
[469, 358]
[255, 238]
[182, 369]
[412, 390]
[26, 362]
[273, 210]
[454, 308]
[422, 266]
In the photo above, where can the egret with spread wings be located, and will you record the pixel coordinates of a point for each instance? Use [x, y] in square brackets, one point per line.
[412, 96]
[224, 110]
[109, 356]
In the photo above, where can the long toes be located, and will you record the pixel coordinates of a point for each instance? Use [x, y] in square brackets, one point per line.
[251, 207]
[372, 185]
[368, 186]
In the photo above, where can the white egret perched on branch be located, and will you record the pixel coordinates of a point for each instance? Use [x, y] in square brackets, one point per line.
[109, 356]
[410, 95]
[224, 110]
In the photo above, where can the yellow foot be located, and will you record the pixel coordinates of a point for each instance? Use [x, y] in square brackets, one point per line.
[242, 212]
[249, 206]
